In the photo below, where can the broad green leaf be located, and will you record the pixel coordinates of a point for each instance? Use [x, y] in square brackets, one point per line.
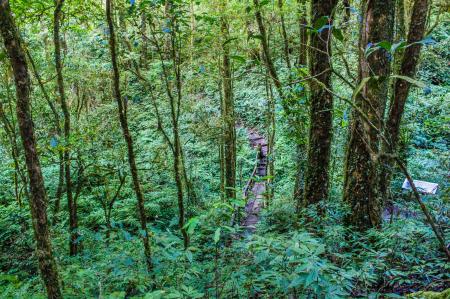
[217, 235]
[337, 33]
[410, 80]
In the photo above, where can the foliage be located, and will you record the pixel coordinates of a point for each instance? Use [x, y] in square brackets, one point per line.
[306, 254]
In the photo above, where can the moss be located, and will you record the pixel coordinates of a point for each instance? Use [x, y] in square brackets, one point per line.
[431, 295]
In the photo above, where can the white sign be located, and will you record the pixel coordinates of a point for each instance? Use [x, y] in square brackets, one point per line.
[422, 186]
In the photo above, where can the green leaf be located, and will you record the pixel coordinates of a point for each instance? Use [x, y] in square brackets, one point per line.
[191, 224]
[320, 22]
[370, 50]
[264, 2]
[238, 58]
[360, 87]
[410, 80]
[297, 281]
[229, 40]
[397, 46]
[217, 235]
[255, 36]
[385, 45]
[337, 33]
[189, 256]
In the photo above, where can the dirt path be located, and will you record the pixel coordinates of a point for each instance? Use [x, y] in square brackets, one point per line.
[255, 189]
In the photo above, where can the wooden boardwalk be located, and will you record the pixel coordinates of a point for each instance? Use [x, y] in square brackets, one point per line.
[255, 189]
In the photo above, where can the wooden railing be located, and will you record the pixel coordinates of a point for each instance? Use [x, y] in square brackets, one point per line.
[251, 180]
[248, 186]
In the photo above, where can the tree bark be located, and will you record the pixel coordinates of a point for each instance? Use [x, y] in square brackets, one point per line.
[321, 111]
[229, 134]
[301, 147]
[38, 198]
[60, 188]
[74, 242]
[284, 35]
[128, 138]
[346, 4]
[266, 51]
[302, 23]
[401, 87]
[362, 167]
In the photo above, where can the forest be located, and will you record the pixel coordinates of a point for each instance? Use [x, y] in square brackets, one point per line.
[224, 149]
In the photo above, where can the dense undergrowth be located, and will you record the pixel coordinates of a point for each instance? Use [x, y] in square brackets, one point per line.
[310, 256]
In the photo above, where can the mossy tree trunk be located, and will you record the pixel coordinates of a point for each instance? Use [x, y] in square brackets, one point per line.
[38, 196]
[74, 242]
[122, 108]
[408, 67]
[229, 132]
[362, 166]
[321, 110]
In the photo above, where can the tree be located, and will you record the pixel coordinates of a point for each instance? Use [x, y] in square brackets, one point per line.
[362, 167]
[321, 99]
[122, 109]
[38, 198]
[56, 119]
[74, 243]
[401, 87]
[301, 150]
[229, 133]
[284, 34]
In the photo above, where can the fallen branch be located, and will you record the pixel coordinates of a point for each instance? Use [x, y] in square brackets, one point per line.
[429, 217]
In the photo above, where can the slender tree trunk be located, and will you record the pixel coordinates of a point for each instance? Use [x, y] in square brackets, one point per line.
[362, 169]
[284, 35]
[179, 184]
[171, 45]
[228, 113]
[321, 124]
[128, 138]
[221, 146]
[266, 51]
[38, 198]
[74, 243]
[189, 186]
[271, 129]
[60, 188]
[18, 173]
[144, 47]
[302, 23]
[401, 88]
[301, 148]
[10, 129]
[400, 30]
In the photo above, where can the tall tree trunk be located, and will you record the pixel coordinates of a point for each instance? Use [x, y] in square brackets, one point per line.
[266, 52]
[229, 133]
[121, 105]
[171, 45]
[302, 23]
[400, 30]
[321, 124]
[271, 130]
[221, 146]
[408, 67]
[284, 35]
[362, 168]
[175, 104]
[301, 148]
[74, 243]
[60, 188]
[38, 198]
